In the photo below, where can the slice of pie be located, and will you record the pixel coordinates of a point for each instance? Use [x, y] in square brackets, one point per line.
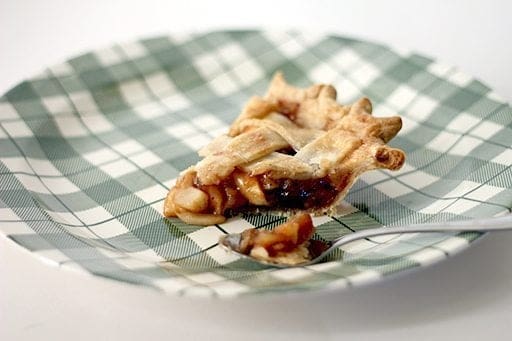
[291, 150]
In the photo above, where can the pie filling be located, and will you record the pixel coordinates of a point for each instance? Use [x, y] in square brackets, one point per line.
[287, 243]
[286, 194]
[241, 192]
[299, 194]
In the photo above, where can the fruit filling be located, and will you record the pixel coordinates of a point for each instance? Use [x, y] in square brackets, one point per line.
[286, 244]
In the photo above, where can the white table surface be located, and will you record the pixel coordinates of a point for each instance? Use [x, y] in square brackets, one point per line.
[467, 296]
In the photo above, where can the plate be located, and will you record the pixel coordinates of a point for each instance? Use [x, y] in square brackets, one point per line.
[90, 147]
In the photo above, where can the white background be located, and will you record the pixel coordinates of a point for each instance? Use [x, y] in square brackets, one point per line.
[467, 296]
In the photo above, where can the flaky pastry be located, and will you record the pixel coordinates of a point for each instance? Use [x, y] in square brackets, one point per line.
[293, 150]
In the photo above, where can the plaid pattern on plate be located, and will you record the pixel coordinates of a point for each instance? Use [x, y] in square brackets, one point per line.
[89, 148]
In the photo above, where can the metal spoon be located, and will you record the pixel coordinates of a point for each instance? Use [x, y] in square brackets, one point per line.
[319, 249]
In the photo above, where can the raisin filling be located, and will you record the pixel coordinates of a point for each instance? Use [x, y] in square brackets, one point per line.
[287, 151]
[226, 198]
[298, 194]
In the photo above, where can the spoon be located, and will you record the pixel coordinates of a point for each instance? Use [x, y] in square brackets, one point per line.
[320, 249]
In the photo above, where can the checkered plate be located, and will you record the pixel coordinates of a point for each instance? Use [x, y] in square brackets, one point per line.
[89, 148]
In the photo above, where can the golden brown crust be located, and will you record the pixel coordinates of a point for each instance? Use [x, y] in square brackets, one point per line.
[300, 138]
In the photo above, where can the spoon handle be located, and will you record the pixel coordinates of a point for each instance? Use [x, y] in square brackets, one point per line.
[480, 225]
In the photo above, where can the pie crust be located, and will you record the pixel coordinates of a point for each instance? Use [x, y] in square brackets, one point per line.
[292, 150]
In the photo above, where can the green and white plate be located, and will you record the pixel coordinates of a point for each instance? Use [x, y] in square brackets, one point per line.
[89, 148]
